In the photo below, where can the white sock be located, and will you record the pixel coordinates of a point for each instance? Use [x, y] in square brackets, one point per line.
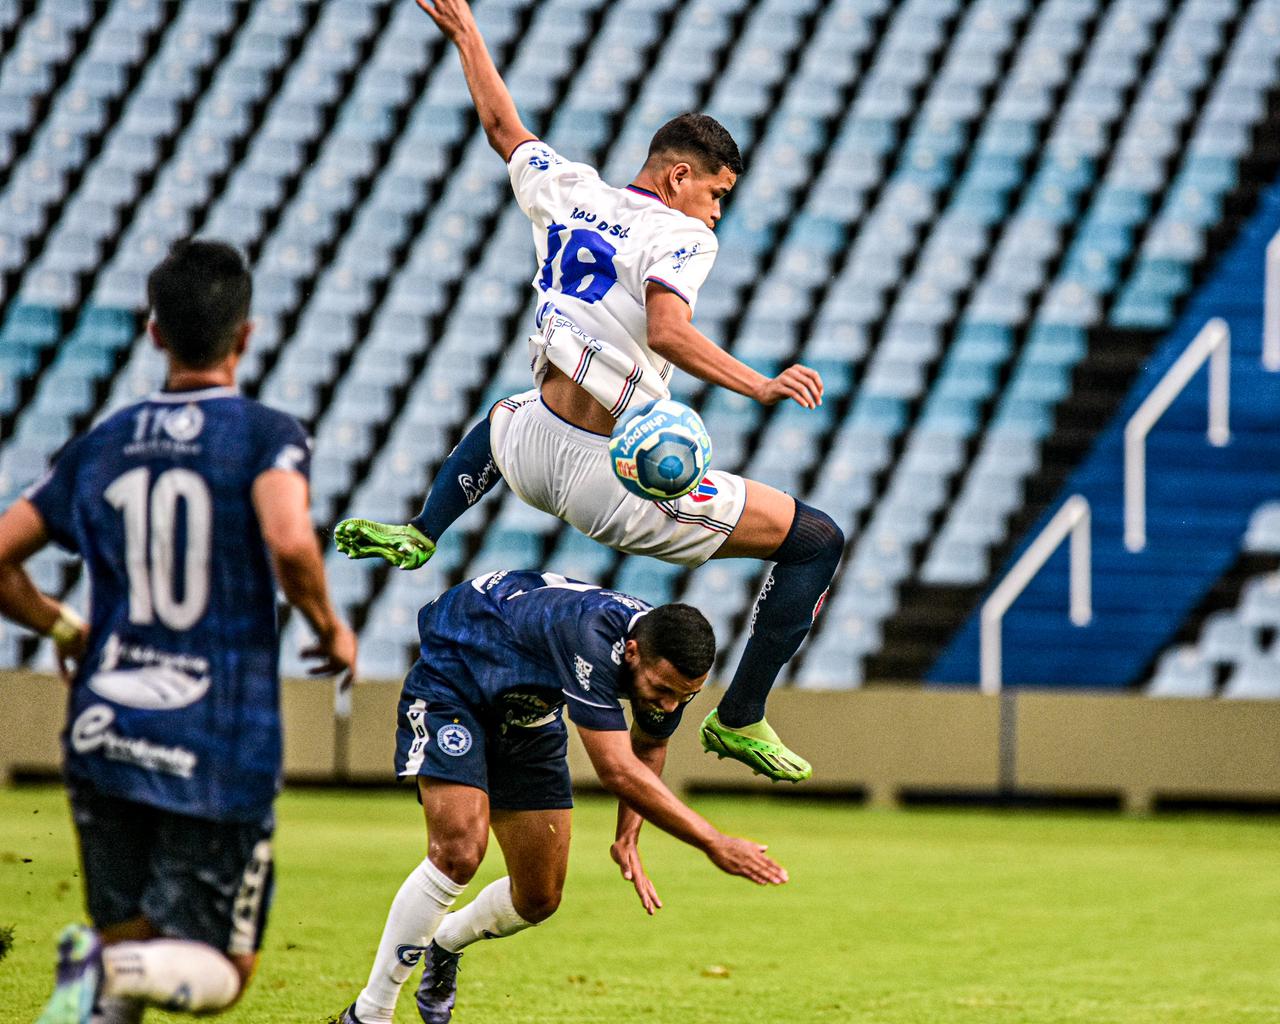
[491, 915]
[170, 973]
[416, 912]
[111, 1010]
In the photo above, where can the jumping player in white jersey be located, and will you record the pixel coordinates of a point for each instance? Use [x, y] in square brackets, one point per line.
[620, 270]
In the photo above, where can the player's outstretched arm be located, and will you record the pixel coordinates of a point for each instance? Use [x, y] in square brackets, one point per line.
[652, 753]
[627, 777]
[22, 534]
[493, 102]
[672, 336]
[280, 500]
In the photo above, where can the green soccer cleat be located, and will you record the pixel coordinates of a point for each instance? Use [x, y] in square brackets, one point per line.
[757, 746]
[77, 978]
[405, 547]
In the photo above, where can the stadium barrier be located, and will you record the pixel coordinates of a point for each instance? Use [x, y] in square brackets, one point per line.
[884, 744]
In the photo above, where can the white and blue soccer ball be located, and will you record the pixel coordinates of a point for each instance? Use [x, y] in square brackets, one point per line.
[661, 451]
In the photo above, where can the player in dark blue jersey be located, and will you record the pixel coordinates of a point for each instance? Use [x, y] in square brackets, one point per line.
[482, 730]
[188, 508]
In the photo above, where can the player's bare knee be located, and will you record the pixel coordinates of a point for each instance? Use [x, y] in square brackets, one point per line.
[538, 905]
[139, 929]
[458, 857]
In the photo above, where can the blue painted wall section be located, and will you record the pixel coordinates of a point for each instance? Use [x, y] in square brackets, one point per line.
[1199, 499]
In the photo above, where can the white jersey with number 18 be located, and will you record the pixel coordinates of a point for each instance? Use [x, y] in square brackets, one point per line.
[599, 247]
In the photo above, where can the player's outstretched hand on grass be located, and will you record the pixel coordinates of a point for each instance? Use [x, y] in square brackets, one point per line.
[746, 859]
[453, 17]
[337, 654]
[799, 383]
[626, 855]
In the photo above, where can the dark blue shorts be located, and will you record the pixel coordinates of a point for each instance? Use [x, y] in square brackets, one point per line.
[440, 736]
[207, 881]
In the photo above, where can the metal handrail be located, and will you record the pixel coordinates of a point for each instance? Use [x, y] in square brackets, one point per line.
[1271, 307]
[1072, 519]
[1212, 344]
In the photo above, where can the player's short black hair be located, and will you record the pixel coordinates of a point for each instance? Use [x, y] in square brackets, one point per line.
[681, 634]
[200, 295]
[699, 137]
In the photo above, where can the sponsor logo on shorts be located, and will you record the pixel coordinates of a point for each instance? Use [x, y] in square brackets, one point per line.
[705, 491]
[410, 955]
[454, 739]
[91, 733]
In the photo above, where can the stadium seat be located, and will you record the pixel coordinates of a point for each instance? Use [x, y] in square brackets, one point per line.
[1181, 673]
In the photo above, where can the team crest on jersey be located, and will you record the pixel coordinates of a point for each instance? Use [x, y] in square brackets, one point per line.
[454, 739]
[705, 491]
[184, 424]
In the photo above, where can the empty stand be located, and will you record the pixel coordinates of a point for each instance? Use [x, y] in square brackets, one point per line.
[973, 217]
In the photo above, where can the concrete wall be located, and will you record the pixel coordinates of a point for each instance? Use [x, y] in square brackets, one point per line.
[879, 742]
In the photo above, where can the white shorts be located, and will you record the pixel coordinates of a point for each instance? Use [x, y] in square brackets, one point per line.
[564, 470]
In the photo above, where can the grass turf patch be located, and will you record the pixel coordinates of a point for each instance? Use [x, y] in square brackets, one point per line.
[913, 917]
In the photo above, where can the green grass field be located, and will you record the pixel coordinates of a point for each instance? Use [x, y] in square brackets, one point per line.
[916, 917]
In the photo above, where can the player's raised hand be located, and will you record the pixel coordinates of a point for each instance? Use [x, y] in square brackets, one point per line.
[626, 855]
[453, 17]
[746, 859]
[799, 383]
[337, 654]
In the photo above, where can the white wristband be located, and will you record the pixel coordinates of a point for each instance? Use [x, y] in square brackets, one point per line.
[68, 626]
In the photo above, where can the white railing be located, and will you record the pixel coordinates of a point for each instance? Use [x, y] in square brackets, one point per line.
[1072, 519]
[1271, 307]
[1212, 344]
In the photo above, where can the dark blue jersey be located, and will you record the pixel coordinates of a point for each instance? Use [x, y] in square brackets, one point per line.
[176, 703]
[519, 645]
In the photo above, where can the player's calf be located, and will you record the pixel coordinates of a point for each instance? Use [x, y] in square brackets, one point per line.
[792, 596]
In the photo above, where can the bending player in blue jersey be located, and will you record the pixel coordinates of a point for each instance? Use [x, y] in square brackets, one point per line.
[189, 508]
[619, 278]
[481, 729]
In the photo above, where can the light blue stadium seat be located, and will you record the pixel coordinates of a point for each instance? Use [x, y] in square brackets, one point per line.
[1263, 534]
[865, 594]
[1260, 602]
[31, 326]
[832, 666]
[579, 557]
[1224, 638]
[1254, 678]
[955, 562]
[1181, 673]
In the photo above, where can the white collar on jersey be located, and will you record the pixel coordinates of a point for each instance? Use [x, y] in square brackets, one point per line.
[219, 391]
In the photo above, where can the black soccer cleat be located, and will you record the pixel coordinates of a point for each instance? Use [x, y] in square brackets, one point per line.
[439, 986]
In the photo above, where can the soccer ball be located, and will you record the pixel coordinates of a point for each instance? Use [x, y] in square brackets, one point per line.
[661, 451]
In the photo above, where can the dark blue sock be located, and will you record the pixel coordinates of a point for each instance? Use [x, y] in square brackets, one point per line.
[466, 476]
[805, 562]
